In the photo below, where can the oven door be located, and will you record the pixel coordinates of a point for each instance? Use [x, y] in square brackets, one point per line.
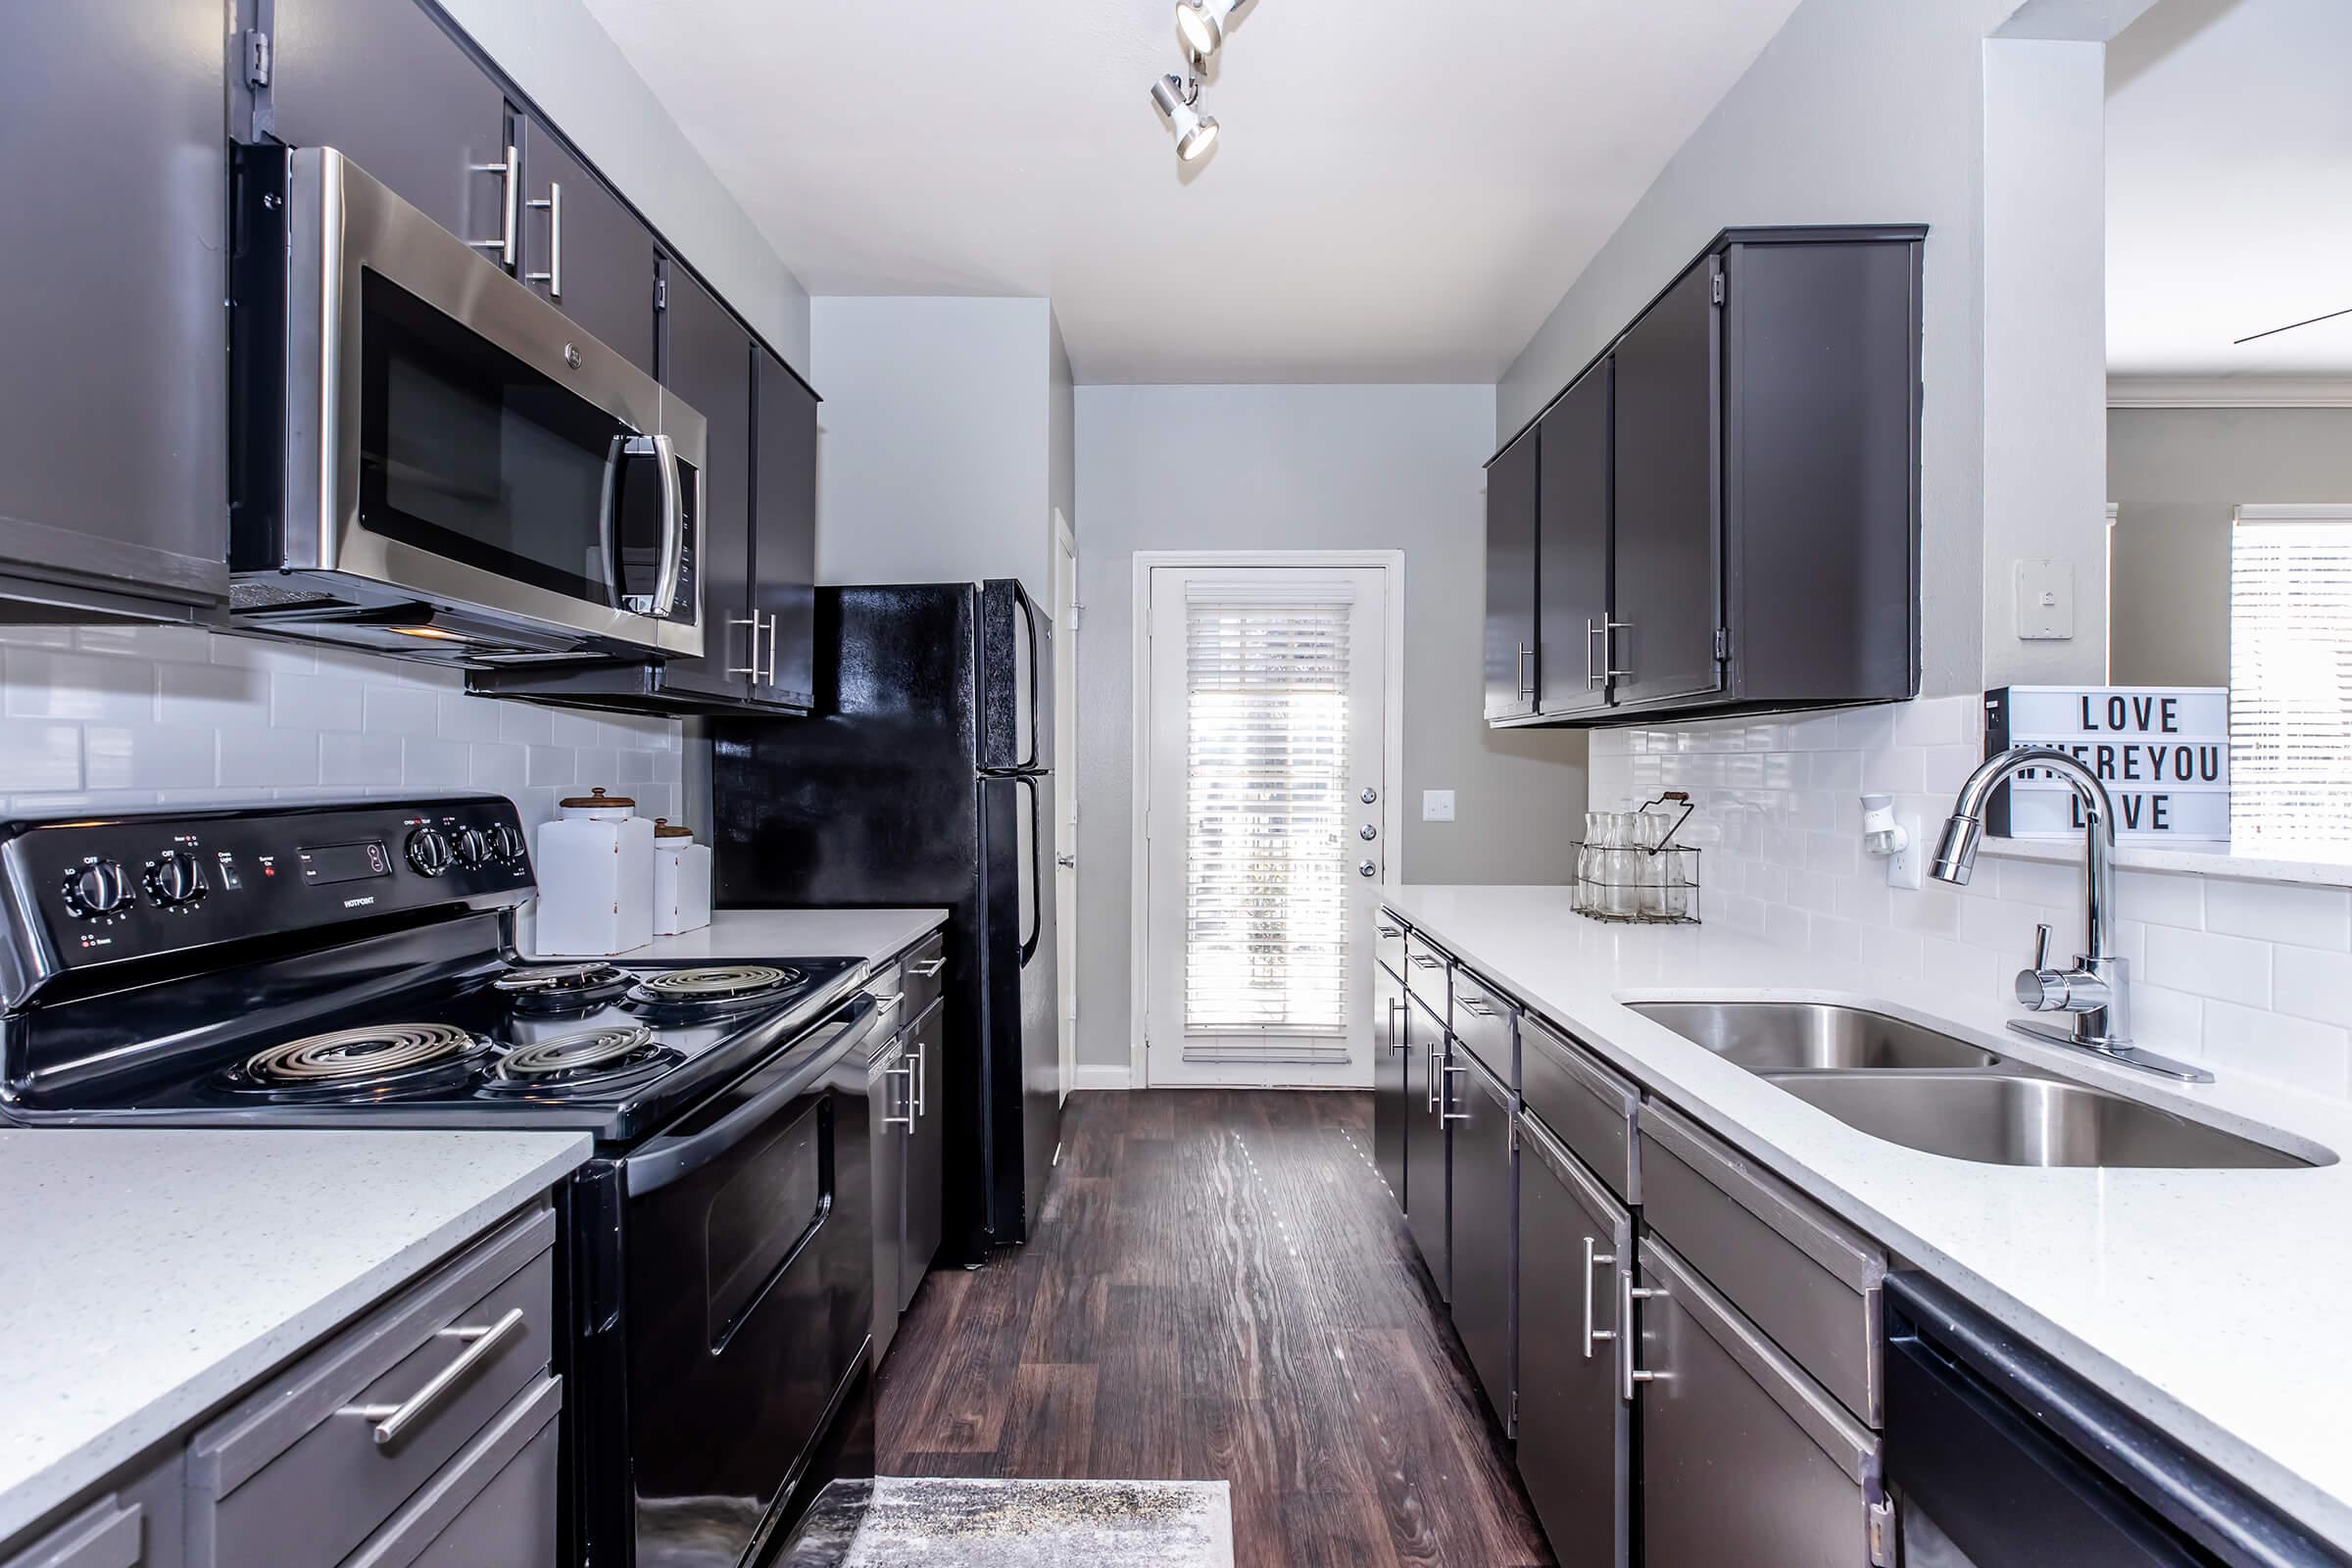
[748, 1237]
[454, 438]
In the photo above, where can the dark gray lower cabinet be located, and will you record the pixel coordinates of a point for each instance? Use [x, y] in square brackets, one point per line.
[886, 1073]
[1391, 1103]
[113, 386]
[926, 1154]
[1744, 1458]
[1575, 1424]
[1425, 1148]
[909, 1145]
[1484, 1198]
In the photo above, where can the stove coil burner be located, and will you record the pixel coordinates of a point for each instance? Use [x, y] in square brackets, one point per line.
[716, 982]
[362, 1059]
[591, 1059]
[561, 987]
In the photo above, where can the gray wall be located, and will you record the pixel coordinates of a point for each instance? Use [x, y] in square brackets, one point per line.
[571, 68]
[1858, 111]
[1303, 467]
[1061, 450]
[934, 440]
[2175, 476]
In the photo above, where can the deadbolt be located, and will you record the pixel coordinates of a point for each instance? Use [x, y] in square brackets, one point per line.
[1367, 869]
[1369, 795]
[1368, 832]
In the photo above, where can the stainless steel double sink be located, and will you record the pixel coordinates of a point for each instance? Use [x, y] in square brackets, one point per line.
[1926, 1089]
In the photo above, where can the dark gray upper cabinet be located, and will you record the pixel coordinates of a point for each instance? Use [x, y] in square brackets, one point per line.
[706, 360]
[113, 392]
[1572, 548]
[784, 532]
[1668, 593]
[385, 85]
[1511, 656]
[583, 249]
[1728, 497]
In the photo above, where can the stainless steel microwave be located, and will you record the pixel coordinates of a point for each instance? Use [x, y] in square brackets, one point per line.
[428, 458]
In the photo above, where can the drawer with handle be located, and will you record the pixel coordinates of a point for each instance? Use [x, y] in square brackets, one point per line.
[1486, 1022]
[108, 1534]
[1582, 1103]
[1388, 941]
[310, 1464]
[1428, 972]
[922, 976]
[1807, 1279]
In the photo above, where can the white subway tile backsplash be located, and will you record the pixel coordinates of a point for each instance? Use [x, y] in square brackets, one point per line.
[2256, 977]
[98, 718]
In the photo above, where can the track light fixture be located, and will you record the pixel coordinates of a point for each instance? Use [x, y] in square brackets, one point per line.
[1196, 132]
[1201, 25]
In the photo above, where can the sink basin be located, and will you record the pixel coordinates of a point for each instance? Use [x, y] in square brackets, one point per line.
[2011, 1118]
[1792, 1036]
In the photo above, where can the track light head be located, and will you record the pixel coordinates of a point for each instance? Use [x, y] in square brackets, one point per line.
[1200, 24]
[1196, 132]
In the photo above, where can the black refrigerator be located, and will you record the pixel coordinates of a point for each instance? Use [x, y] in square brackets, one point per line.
[926, 780]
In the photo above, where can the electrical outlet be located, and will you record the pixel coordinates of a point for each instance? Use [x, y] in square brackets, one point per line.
[1437, 805]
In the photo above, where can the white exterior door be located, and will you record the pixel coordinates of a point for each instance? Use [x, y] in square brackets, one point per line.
[1264, 821]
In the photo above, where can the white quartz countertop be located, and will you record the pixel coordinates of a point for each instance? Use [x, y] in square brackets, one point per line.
[2215, 1302]
[146, 1277]
[735, 935]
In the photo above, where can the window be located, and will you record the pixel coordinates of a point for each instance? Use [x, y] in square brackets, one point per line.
[1267, 867]
[2290, 678]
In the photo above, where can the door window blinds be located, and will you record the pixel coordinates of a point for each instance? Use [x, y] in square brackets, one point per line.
[1266, 891]
[2290, 678]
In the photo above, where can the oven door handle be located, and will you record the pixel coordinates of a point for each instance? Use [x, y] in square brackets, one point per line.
[667, 1160]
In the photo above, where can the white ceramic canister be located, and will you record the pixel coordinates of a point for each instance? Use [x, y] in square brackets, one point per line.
[596, 878]
[681, 880]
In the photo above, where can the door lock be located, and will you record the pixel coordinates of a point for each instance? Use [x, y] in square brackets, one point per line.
[1367, 869]
[1369, 795]
[1368, 832]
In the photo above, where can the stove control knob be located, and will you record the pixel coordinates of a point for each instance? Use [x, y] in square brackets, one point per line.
[505, 842]
[175, 877]
[472, 847]
[428, 851]
[97, 889]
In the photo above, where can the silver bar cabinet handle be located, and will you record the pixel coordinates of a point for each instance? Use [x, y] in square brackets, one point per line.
[1445, 1095]
[507, 203]
[1527, 682]
[904, 1070]
[1594, 1259]
[553, 277]
[927, 968]
[1629, 1342]
[1435, 1082]
[391, 1420]
[922, 1085]
[752, 621]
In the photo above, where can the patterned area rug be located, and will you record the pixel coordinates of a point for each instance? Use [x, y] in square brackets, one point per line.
[1020, 1524]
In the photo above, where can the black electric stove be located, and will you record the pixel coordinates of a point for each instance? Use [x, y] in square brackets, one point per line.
[353, 965]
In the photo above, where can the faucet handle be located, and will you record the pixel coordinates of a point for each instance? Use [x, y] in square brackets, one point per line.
[2041, 946]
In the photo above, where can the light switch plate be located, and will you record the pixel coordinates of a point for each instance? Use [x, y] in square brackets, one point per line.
[1437, 805]
[2045, 599]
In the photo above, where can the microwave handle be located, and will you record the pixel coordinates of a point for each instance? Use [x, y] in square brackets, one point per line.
[673, 527]
[608, 515]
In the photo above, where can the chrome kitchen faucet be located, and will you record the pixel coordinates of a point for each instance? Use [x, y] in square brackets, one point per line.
[2097, 990]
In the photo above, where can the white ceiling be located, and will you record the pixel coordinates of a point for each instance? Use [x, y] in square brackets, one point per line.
[2230, 188]
[1402, 189]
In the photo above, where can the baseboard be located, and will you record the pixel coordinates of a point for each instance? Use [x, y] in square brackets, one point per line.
[1101, 1075]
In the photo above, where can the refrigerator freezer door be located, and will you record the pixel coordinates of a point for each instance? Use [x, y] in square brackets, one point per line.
[1016, 688]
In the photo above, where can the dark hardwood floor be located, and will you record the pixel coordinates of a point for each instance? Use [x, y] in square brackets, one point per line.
[1220, 1289]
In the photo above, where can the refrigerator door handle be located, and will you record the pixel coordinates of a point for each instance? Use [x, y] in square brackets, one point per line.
[1028, 609]
[1037, 888]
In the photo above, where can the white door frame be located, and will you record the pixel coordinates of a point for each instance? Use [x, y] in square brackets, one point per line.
[1066, 795]
[1390, 564]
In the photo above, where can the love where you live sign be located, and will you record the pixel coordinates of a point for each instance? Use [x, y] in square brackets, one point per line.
[2162, 752]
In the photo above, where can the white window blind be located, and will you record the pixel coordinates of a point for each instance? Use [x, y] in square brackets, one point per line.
[2290, 677]
[1266, 876]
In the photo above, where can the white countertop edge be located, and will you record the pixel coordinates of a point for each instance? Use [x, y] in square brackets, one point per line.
[173, 1409]
[1680, 1071]
[2214, 861]
[736, 935]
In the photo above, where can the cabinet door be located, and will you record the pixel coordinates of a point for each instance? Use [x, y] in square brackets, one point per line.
[1426, 1211]
[886, 1109]
[1485, 1193]
[784, 534]
[1391, 1044]
[1575, 1431]
[1667, 534]
[1511, 582]
[383, 82]
[114, 396]
[926, 1154]
[585, 251]
[1572, 543]
[706, 360]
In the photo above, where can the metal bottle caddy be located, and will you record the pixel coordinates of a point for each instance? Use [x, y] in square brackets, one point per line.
[1630, 871]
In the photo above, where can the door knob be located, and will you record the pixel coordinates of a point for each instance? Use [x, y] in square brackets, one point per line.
[1367, 869]
[1369, 795]
[1368, 832]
